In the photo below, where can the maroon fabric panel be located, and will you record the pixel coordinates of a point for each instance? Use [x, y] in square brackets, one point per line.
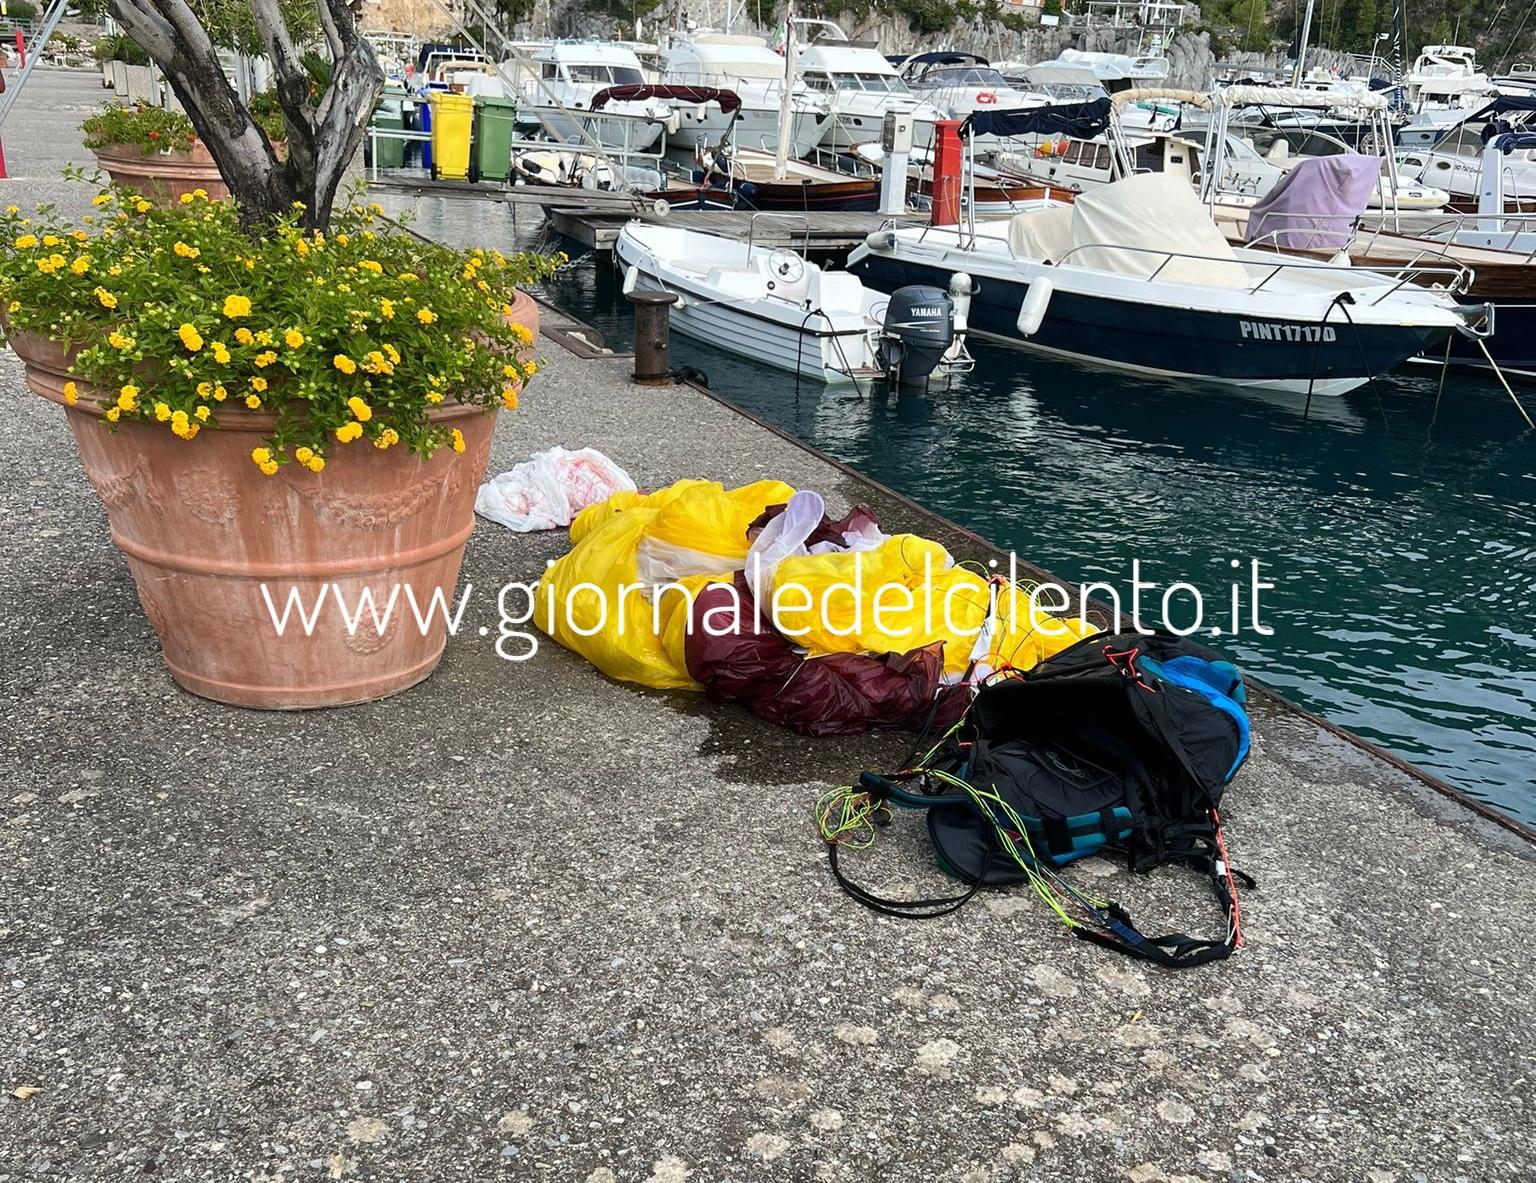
[729, 100]
[840, 694]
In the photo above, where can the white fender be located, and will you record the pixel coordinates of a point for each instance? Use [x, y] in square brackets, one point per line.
[1032, 310]
[674, 121]
[631, 278]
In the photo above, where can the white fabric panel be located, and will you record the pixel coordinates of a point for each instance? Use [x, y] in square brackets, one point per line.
[1160, 214]
[1284, 96]
[1044, 234]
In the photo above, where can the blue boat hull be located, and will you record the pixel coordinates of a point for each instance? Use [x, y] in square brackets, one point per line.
[1187, 343]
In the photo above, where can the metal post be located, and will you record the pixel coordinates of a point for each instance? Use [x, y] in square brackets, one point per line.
[653, 359]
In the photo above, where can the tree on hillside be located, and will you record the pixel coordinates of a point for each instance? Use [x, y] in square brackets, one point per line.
[325, 120]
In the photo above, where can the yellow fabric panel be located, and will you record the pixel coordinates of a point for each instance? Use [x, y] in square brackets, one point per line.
[642, 641]
[854, 602]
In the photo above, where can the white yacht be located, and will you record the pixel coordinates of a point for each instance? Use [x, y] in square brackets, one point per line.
[860, 84]
[746, 66]
[961, 83]
[575, 72]
[1443, 88]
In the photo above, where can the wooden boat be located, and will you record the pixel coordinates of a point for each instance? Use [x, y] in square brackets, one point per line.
[744, 179]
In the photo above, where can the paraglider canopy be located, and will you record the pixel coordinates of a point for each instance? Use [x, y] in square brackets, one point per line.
[729, 100]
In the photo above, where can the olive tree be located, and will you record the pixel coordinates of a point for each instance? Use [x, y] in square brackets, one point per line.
[326, 76]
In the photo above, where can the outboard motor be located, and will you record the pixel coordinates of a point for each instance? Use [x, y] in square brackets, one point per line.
[920, 333]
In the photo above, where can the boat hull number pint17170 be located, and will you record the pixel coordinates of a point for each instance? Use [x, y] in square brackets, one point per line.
[1261, 330]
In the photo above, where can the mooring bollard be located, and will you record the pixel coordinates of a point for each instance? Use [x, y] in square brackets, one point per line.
[653, 362]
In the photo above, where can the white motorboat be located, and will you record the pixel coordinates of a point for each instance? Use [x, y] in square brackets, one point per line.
[746, 66]
[576, 72]
[773, 306]
[1137, 277]
[960, 84]
[860, 84]
[1455, 161]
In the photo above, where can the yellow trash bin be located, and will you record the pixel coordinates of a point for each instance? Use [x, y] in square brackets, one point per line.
[453, 117]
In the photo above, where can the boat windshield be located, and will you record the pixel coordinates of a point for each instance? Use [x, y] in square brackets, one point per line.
[963, 76]
[607, 75]
[1298, 141]
[874, 83]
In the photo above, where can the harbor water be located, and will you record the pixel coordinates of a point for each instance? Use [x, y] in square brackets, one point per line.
[1398, 523]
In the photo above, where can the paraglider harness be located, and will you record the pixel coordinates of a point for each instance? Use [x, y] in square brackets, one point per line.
[1118, 744]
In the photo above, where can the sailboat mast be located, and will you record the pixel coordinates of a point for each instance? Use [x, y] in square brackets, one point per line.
[786, 100]
[1301, 46]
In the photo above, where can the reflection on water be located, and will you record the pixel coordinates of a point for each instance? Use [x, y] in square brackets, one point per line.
[1400, 529]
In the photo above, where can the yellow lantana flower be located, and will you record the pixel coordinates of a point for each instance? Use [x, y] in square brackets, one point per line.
[361, 411]
[185, 251]
[293, 338]
[252, 402]
[190, 337]
[344, 363]
[71, 394]
[387, 438]
[238, 306]
[425, 315]
[265, 358]
[509, 397]
[128, 397]
[221, 353]
[243, 335]
[142, 206]
[349, 431]
[458, 440]
[81, 265]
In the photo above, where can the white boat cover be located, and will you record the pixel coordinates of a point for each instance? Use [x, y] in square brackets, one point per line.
[1284, 96]
[1161, 217]
[1043, 234]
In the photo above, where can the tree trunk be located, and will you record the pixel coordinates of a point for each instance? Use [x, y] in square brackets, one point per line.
[324, 133]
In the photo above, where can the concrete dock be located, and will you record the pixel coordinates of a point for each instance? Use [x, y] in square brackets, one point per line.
[524, 922]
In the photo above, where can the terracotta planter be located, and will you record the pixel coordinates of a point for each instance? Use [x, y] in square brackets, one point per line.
[163, 176]
[525, 312]
[203, 530]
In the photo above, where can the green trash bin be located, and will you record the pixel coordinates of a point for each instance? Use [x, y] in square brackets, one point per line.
[495, 118]
[389, 115]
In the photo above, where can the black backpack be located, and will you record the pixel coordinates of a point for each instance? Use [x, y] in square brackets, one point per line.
[1118, 744]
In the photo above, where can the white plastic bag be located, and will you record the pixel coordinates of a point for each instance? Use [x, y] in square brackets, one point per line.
[547, 490]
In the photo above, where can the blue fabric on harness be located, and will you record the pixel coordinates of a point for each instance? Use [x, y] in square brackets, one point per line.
[1219, 683]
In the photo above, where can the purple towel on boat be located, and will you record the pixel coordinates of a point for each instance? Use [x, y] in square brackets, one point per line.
[1314, 206]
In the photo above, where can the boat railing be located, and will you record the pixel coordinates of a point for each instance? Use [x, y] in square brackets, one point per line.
[1516, 234]
[1458, 276]
[804, 221]
[841, 161]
